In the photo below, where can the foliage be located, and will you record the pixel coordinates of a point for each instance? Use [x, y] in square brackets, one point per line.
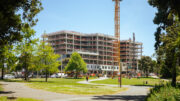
[169, 51]
[164, 93]
[25, 50]
[14, 14]
[167, 44]
[166, 10]
[7, 57]
[147, 65]
[46, 60]
[76, 64]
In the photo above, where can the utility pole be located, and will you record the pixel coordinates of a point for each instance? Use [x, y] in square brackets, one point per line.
[117, 35]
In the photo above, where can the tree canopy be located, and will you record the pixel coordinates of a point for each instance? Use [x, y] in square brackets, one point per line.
[25, 50]
[76, 64]
[14, 14]
[46, 60]
[167, 19]
[147, 65]
[167, 9]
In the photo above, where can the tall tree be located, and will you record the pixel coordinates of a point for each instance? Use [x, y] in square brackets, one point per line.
[76, 64]
[26, 51]
[46, 59]
[14, 14]
[171, 49]
[165, 17]
[146, 65]
[8, 59]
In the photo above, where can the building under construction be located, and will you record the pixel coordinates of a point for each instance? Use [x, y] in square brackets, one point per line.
[99, 51]
[96, 49]
[131, 52]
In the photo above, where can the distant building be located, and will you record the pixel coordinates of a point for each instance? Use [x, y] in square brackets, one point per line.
[97, 50]
[131, 52]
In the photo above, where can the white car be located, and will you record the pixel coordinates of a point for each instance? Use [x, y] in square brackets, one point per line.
[53, 76]
[9, 76]
[61, 75]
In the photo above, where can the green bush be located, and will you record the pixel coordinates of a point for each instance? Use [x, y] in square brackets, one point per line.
[164, 93]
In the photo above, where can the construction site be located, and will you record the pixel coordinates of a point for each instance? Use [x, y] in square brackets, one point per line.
[103, 53]
[98, 50]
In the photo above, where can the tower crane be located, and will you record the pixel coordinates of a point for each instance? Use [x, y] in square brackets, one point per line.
[117, 35]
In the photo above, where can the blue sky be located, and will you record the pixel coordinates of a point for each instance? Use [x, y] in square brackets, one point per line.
[97, 16]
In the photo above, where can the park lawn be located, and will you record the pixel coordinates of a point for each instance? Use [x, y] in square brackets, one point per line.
[70, 86]
[132, 81]
[1, 89]
[4, 98]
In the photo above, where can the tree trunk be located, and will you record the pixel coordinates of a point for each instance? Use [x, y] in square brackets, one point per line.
[26, 74]
[76, 76]
[2, 75]
[147, 73]
[174, 73]
[46, 75]
[174, 76]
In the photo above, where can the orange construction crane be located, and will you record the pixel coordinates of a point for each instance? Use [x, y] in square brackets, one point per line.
[117, 35]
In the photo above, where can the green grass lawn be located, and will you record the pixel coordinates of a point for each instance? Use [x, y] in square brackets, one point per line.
[132, 81]
[1, 89]
[4, 98]
[70, 86]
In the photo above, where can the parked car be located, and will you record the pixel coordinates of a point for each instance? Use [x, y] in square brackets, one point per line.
[54, 76]
[9, 76]
[61, 75]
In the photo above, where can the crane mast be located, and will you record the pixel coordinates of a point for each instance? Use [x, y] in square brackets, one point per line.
[117, 35]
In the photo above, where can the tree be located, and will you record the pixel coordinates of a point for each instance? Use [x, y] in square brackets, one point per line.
[26, 51]
[167, 16]
[8, 58]
[46, 59]
[171, 49]
[146, 65]
[76, 64]
[14, 15]
[164, 17]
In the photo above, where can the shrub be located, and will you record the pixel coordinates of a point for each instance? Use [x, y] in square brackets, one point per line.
[164, 93]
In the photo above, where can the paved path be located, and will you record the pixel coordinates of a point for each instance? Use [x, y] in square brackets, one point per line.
[134, 93]
[13, 89]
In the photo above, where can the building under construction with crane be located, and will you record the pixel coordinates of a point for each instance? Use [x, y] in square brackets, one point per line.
[99, 51]
[102, 53]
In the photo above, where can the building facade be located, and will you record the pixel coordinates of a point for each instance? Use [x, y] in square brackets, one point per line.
[96, 49]
[99, 51]
[131, 52]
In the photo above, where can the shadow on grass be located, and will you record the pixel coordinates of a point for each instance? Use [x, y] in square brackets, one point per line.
[120, 97]
[6, 92]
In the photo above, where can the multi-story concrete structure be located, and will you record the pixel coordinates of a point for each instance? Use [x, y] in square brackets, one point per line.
[131, 51]
[96, 49]
[99, 51]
